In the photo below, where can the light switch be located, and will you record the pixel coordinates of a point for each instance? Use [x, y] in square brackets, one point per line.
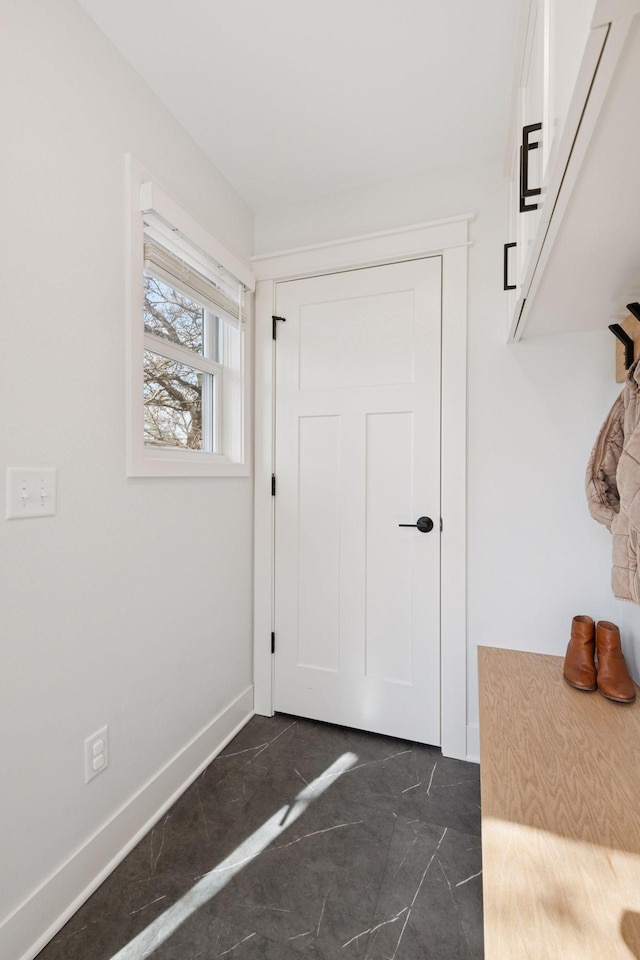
[31, 492]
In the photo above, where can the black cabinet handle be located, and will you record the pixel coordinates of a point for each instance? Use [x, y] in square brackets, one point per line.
[424, 524]
[505, 267]
[525, 149]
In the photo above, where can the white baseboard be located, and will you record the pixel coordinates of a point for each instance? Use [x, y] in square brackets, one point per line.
[473, 742]
[25, 932]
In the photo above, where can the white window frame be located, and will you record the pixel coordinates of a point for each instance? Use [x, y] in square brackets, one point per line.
[212, 436]
[144, 194]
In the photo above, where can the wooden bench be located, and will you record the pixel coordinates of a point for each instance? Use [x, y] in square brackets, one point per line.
[560, 773]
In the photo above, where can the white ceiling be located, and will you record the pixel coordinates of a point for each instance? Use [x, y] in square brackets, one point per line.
[293, 99]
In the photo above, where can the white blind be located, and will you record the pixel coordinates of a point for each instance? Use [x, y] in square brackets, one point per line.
[173, 259]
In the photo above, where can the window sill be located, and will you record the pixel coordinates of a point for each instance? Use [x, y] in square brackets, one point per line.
[148, 464]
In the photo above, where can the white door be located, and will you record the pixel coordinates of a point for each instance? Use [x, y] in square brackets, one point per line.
[358, 454]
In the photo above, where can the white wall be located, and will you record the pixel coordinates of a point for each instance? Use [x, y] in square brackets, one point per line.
[535, 557]
[131, 607]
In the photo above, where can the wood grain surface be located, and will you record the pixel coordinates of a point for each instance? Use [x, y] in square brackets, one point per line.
[560, 773]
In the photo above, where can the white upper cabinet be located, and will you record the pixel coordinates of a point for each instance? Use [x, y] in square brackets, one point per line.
[568, 53]
[569, 26]
[532, 146]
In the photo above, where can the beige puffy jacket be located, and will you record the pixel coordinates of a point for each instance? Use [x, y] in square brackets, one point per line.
[613, 485]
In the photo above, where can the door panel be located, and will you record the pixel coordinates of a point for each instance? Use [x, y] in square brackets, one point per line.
[389, 560]
[340, 347]
[319, 542]
[357, 453]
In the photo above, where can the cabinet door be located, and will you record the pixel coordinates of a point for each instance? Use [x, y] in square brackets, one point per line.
[569, 25]
[512, 266]
[529, 108]
[534, 109]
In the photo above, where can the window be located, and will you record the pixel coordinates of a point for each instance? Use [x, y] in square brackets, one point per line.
[192, 332]
[188, 400]
[179, 398]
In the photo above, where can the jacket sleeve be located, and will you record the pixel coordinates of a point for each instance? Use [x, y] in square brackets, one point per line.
[628, 476]
[601, 483]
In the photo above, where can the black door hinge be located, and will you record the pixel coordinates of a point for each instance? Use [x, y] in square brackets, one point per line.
[441, 525]
[274, 321]
[273, 643]
[273, 484]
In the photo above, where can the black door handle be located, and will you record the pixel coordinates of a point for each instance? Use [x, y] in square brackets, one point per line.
[424, 524]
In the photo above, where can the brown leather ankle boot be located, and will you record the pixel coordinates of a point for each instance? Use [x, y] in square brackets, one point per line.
[614, 681]
[579, 666]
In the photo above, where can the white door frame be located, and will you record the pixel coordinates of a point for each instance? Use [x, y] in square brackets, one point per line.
[448, 239]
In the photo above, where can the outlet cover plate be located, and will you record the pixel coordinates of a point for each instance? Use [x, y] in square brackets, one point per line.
[96, 760]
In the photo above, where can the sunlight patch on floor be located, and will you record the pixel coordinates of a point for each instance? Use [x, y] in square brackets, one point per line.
[215, 880]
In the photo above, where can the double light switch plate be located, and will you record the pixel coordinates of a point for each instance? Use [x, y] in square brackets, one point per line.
[31, 492]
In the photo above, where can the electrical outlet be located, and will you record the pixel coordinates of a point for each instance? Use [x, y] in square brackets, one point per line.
[31, 492]
[96, 754]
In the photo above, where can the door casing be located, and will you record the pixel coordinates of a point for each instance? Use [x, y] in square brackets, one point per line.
[449, 239]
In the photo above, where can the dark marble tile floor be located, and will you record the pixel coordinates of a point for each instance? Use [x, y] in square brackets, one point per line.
[300, 840]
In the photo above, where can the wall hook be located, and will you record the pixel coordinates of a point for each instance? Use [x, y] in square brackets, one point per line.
[634, 308]
[624, 338]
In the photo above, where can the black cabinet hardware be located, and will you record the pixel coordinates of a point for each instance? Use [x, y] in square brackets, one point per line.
[525, 149]
[505, 268]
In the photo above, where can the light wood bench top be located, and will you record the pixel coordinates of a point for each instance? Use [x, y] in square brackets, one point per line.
[560, 774]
